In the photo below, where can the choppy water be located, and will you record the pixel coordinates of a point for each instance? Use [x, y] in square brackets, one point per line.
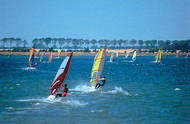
[135, 92]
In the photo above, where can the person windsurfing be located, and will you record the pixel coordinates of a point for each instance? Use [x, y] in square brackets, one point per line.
[102, 83]
[65, 90]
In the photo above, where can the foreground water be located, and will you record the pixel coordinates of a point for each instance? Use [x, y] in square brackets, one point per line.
[135, 92]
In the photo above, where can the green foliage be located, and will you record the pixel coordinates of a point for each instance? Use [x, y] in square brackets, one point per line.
[139, 51]
[152, 50]
[69, 50]
[51, 49]
[94, 50]
[86, 50]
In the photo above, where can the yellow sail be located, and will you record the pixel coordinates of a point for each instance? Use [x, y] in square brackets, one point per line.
[50, 57]
[98, 66]
[160, 55]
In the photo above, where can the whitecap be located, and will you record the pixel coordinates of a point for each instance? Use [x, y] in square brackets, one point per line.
[136, 94]
[83, 88]
[75, 103]
[117, 90]
[10, 108]
[155, 62]
[177, 89]
[45, 62]
[28, 68]
[17, 84]
[44, 99]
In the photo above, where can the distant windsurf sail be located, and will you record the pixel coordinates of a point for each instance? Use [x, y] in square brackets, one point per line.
[42, 57]
[38, 53]
[50, 57]
[134, 56]
[117, 54]
[31, 61]
[158, 56]
[61, 74]
[59, 54]
[112, 57]
[98, 65]
[127, 54]
[187, 55]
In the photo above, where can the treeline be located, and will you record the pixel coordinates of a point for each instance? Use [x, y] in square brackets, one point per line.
[69, 43]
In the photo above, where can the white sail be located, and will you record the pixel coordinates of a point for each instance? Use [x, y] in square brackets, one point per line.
[134, 56]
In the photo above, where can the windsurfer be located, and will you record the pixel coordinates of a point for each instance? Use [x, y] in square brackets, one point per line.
[102, 83]
[65, 90]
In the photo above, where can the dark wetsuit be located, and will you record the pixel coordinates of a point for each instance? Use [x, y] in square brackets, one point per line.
[63, 94]
[101, 84]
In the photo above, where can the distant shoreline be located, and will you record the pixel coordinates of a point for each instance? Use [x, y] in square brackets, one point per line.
[86, 54]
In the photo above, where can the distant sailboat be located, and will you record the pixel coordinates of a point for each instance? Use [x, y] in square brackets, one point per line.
[42, 57]
[60, 76]
[158, 56]
[134, 56]
[112, 57]
[50, 57]
[31, 61]
[98, 66]
[127, 54]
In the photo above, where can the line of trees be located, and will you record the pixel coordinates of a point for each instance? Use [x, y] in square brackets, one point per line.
[44, 43]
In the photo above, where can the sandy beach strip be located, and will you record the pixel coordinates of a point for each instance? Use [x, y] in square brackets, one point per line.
[87, 54]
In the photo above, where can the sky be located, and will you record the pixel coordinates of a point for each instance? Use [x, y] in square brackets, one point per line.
[95, 19]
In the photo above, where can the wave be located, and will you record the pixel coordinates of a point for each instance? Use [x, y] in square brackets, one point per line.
[127, 61]
[44, 101]
[28, 68]
[155, 62]
[176, 89]
[117, 90]
[45, 62]
[83, 88]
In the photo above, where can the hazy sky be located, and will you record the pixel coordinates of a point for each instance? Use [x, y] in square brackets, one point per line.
[95, 19]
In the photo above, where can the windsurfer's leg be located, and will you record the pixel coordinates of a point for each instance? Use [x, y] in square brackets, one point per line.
[64, 94]
[97, 86]
[58, 95]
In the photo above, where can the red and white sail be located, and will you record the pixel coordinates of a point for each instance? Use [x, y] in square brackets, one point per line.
[61, 74]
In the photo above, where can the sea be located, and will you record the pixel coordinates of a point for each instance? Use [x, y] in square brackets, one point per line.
[140, 92]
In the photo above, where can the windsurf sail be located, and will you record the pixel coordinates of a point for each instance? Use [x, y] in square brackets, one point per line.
[134, 56]
[112, 57]
[61, 74]
[127, 54]
[158, 56]
[31, 61]
[59, 54]
[98, 65]
[42, 57]
[117, 54]
[50, 57]
[187, 55]
[38, 53]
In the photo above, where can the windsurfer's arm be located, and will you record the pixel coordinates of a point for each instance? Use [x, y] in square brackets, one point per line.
[100, 79]
[60, 89]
